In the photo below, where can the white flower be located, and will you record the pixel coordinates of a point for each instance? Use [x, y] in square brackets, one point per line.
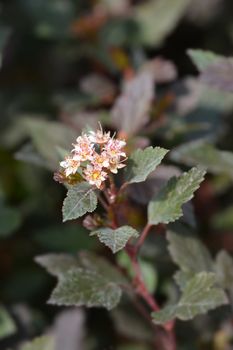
[99, 136]
[83, 148]
[115, 164]
[94, 175]
[70, 165]
[100, 160]
[96, 165]
[114, 148]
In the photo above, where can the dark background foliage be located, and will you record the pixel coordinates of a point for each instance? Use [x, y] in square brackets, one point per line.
[64, 61]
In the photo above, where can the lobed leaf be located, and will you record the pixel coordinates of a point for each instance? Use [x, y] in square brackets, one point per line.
[199, 296]
[142, 162]
[115, 239]
[167, 205]
[57, 264]
[85, 279]
[80, 199]
[187, 251]
[85, 287]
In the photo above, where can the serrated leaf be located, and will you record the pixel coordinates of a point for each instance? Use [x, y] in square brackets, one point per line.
[80, 199]
[57, 264]
[7, 325]
[167, 205]
[85, 279]
[130, 111]
[199, 296]
[181, 277]
[187, 251]
[115, 239]
[157, 18]
[224, 269]
[204, 154]
[142, 162]
[94, 262]
[40, 343]
[202, 59]
[84, 287]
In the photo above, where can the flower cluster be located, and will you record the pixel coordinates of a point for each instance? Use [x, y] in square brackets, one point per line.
[94, 156]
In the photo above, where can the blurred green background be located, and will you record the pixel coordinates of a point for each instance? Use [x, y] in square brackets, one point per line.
[62, 63]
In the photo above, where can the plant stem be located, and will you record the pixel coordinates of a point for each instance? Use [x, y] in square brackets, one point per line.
[142, 238]
[138, 282]
[141, 288]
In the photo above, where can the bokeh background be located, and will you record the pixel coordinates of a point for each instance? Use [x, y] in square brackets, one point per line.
[62, 64]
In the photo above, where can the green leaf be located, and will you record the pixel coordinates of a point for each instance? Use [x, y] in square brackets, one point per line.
[57, 264]
[181, 277]
[142, 162]
[115, 239]
[7, 325]
[167, 205]
[84, 287]
[224, 269]
[199, 296]
[40, 343]
[202, 59]
[85, 279]
[80, 199]
[10, 220]
[187, 251]
[157, 18]
[204, 154]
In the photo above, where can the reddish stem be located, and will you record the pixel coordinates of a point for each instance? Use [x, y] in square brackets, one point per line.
[132, 252]
[142, 238]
